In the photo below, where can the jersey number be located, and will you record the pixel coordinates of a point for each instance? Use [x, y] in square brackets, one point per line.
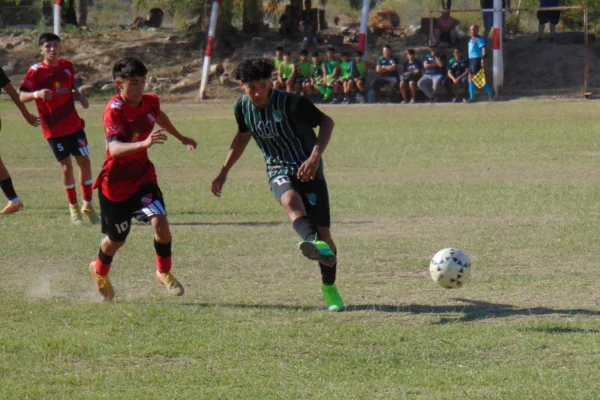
[122, 227]
[60, 147]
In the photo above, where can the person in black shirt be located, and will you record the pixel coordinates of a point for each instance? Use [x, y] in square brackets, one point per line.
[411, 72]
[457, 77]
[387, 72]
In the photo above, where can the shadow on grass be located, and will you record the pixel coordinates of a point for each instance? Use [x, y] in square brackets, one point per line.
[255, 223]
[471, 310]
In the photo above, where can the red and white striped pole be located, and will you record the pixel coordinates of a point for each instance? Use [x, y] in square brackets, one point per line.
[362, 36]
[210, 44]
[57, 17]
[498, 57]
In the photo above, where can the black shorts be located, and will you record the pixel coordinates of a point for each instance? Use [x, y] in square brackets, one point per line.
[301, 80]
[75, 144]
[411, 78]
[474, 66]
[314, 195]
[116, 216]
[548, 16]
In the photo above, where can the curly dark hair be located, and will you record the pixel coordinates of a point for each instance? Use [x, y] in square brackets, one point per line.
[129, 67]
[254, 69]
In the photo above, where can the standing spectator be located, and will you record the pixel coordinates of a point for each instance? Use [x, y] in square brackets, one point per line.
[411, 72]
[307, 24]
[445, 29]
[387, 72]
[545, 17]
[434, 65]
[477, 56]
[458, 76]
[358, 70]
[488, 17]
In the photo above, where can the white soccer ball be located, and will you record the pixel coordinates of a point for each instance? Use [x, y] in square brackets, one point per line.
[450, 268]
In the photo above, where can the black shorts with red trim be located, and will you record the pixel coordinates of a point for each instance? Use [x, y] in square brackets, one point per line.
[116, 216]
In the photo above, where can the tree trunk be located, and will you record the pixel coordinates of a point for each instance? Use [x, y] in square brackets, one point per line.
[82, 10]
[252, 16]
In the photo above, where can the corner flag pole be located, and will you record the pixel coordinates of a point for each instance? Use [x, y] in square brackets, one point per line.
[57, 17]
[210, 44]
[362, 36]
[498, 56]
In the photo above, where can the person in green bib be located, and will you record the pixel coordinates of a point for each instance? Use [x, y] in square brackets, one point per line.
[316, 76]
[331, 72]
[276, 61]
[358, 73]
[345, 75]
[303, 73]
[282, 126]
[287, 73]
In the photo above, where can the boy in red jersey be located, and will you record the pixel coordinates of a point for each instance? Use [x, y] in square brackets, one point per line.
[127, 184]
[51, 84]
[6, 185]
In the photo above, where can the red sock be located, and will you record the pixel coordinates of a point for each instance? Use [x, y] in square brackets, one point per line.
[86, 189]
[163, 264]
[71, 194]
[101, 268]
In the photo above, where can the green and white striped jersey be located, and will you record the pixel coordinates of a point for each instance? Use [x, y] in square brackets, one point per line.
[283, 130]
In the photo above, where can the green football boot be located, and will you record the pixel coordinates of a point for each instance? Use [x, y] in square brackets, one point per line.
[332, 298]
[318, 250]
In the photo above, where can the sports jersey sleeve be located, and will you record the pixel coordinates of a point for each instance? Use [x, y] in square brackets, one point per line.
[29, 82]
[239, 116]
[3, 79]
[113, 126]
[307, 112]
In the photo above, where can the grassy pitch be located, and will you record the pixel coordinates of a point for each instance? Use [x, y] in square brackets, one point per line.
[515, 185]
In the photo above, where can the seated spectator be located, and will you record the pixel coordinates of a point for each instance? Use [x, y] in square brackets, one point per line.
[287, 73]
[445, 29]
[316, 76]
[331, 72]
[344, 74]
[545, 17]
[358, 72]
[458, 76]
[303, 73]
[387, 73]
[276, 61]
[434, 66]
[411, 72]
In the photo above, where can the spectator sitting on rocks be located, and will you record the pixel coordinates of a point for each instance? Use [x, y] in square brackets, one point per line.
[445, 29]
[458, 76]
[434, 65]
[411, 72]
[387, 72]
[331, 73]
[287, 73]
[303, 74]
[358, 71]
[545, 17]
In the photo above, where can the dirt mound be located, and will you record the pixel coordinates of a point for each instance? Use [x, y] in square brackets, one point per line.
[539, 68]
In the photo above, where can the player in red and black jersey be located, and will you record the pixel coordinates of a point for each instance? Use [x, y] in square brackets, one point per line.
[51, 84]
[14, 204]
[127, 184]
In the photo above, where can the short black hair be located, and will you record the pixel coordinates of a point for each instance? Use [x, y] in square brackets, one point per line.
[359, 53]
[287, 53]
[332, 49]
[278, 48]
[411, 52]
[387, 46]
[344, 54]
[316, 54]
[458, 50]
[48, 37]
[129, 67]
[254, 69]
[304, 53]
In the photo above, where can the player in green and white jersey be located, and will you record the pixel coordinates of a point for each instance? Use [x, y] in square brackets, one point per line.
[282, 125]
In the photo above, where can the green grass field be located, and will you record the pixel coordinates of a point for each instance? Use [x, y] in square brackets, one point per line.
[515, 185]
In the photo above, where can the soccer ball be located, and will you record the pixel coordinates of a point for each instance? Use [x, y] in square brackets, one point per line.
[450, 268]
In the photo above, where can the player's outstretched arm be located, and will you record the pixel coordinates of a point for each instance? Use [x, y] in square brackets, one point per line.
[44, 94]
[120, 149]
[30, 118]
[238, 145]
[308, 169]
[164, 122]
[80, 98]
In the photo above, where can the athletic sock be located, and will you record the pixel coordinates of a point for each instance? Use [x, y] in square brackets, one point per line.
[163, 256]
[86, 189]
[305, 229]
[103, 263]
[71, 194]
[488, 89]
[9, 191]
[328, 274]
[472, 89]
